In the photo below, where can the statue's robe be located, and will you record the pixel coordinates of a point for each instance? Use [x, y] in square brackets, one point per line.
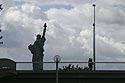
[37, 51]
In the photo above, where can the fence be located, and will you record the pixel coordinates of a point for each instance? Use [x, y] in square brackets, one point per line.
[52, 65]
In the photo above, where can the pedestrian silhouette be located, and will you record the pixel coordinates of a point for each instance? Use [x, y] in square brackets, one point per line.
[90, 64]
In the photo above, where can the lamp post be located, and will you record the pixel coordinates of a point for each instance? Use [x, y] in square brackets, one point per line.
[1, 38]
[94, 40]
[0, 26]
[57, 59]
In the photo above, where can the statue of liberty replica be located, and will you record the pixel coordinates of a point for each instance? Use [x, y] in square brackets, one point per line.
[37, 50]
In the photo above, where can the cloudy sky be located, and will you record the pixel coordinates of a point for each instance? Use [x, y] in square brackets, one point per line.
[69, 31]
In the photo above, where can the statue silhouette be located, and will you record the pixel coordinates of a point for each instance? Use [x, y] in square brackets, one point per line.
[37, 50]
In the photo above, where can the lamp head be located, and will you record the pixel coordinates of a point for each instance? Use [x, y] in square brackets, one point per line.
[94, 5]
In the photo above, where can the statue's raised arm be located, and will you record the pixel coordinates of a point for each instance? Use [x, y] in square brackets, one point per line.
[44, 31]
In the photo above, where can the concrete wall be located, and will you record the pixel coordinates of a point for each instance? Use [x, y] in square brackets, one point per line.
[65, 77]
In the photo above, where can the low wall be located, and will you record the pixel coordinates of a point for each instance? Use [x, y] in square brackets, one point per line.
[65, 77]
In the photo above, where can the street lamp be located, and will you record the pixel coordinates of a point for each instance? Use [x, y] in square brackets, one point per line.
[57, 59]
[0, 26]
[94, 40]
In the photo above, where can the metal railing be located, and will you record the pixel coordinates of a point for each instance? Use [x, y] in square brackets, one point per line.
[52, 65]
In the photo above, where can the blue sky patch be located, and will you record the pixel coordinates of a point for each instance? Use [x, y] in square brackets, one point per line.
[58, 6]
[47, 7]
[20, 2]
[121, 6]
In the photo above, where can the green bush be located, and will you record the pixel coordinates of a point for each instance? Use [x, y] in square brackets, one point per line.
[71, 67]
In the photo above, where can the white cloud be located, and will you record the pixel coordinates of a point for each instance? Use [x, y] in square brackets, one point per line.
[7, 4]
[19, 29]
[75, 19]
[69, 32]
[111, 16]
[109, 49]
